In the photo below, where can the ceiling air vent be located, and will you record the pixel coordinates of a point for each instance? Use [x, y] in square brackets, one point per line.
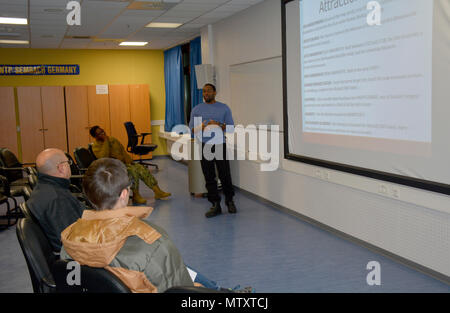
[78, 37]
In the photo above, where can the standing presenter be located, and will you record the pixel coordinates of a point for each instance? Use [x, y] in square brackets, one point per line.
[209, 121]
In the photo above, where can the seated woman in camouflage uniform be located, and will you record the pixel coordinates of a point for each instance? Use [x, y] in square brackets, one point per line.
[109, 147]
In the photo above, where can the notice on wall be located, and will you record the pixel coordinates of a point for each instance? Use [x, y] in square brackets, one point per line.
[101, 89]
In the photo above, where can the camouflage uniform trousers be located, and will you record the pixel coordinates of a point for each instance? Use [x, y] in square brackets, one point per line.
[136, 172]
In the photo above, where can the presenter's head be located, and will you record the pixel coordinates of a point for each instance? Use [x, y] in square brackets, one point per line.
[209, 93]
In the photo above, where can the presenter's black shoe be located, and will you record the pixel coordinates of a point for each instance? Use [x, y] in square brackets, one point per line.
[214, 210]
[231, 207]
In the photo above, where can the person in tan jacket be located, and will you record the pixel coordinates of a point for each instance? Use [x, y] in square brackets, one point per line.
[109, 147]
[116, 238]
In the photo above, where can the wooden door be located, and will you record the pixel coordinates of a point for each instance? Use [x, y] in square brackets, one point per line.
[140, 112]
[119, 110]
[54, 117]
[8, 132]
[77, 112]
[98, 107]
[30, 115]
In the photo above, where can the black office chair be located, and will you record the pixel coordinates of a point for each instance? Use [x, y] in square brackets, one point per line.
[12, 213]
[83, 157]
[27, 212]
[139, 149]
[100, 280]
[13, 170]
[77, 174]
[91, 151]
[32, 181]
[38, 255]
[26, 193]
[92, 280]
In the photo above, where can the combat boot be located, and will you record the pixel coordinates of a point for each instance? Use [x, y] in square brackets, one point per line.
[159, 194]
[137, 199]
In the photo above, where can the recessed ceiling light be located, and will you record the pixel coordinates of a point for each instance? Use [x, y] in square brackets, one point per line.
[15, 42]
[133, 43]
[13, 20]
[164, 25]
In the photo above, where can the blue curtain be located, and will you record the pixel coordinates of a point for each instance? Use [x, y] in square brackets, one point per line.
[195, 58]
[173, 77]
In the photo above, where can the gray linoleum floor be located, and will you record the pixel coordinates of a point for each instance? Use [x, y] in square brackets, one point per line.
[259, 246]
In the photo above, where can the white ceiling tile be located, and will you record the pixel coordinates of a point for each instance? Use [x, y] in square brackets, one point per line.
[163, 19]
[199, 7]
[13, 10]
[13, 2]
[75, 43]
[192, 26]
[124, 26]
[142, 13]
[45, 44]
[182, 14]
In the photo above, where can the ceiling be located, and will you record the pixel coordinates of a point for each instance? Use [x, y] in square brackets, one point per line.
[105, 23]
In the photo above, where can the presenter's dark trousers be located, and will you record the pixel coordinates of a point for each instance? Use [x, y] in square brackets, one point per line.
[223, 168]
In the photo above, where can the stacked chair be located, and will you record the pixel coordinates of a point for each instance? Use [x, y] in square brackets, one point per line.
[10, 216]
[14, 171]
[14, 182]
[84, 158]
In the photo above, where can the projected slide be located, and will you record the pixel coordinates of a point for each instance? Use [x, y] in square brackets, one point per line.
[367, 80]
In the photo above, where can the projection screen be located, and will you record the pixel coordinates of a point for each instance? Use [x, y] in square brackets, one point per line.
[366, 88]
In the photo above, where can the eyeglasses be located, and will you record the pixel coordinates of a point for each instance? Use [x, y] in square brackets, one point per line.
[68, 161]
[101, 132]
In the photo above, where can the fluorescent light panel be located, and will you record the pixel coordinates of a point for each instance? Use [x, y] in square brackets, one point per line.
[15, 42]
[13, 20]
[133, 43]
[164, 25]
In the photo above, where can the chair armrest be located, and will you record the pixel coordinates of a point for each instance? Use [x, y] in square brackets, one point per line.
[143, 137]
[12, 168]
[6, 187]
[74, 189]
[3, 179]
[48, 282]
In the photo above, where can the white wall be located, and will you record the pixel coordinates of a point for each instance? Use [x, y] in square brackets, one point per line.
[410, 223]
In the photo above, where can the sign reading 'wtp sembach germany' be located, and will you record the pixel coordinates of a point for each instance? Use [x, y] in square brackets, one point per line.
[46, 69]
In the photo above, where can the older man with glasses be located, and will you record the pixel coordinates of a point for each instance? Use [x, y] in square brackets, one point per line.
[51, 201]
